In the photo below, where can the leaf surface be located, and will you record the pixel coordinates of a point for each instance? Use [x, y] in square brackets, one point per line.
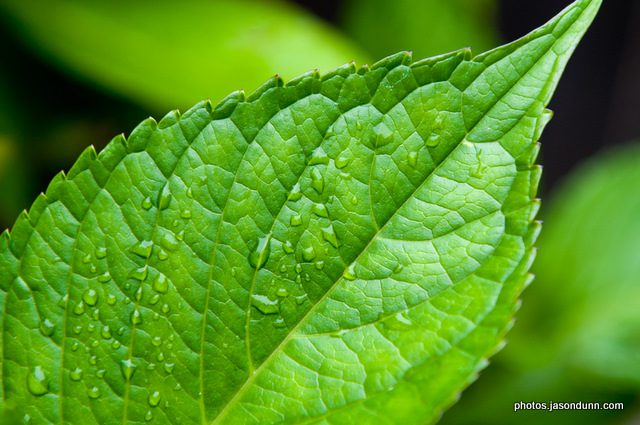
[164, 55]
[345, 248]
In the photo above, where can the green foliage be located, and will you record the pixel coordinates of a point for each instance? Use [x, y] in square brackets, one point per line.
[163, 54]
[577, 336]
[346, 248]
[425, 27]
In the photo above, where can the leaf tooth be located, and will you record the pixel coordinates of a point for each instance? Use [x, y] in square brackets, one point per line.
[392, 61]
[313, 75]
[83, 162]
[171, 118]
[271, 83]
[195, 109]
[341, 71]
[227, 105]
[140, 136]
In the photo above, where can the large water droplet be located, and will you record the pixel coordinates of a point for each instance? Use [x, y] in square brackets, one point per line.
[164, 199]
[350, 272]
[143, 248]
[162, 255]
[93, 392]
[169, 242]
[413, 159]
[47, 327]
[433, 140]
[288, 247]
[76, 374]
[260, 255]
[146, 203]
[166, 308]
[317, 180]
[168, 367]
[128, 369]
[154, 299]
[186, 214]
[79, 308]
[37, 382]
[383, 134]
[106, 332]
[319, 156]
[90, 297]
[101, 252]
[161, 284]
[342, 162]
[154, 399]
[104, 277]
[319, 265]
[308, 253]
[139, 273]
[320, 210]
[264, 304]
[296, 193]
[295, 220]
[329, 235]
[148, 416]
[136, 317]
[111, 299]
[86, 259]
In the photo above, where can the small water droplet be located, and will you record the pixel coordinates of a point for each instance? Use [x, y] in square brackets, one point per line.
[76, 374]
[139, 273]
[169, 242]
[288, 247]
[128, 369]
[283, 268]
[154, 299]
[79, 308]
[62, 302]
[121, 330]
[295, 220]
[115, 344]
[166, 308]
[296, 193]
[104, 277]
[398, 268]
[162, 255]
[37, 382]
[146, 203]
[157, 341]
[75, 346]
[186, 214]
[350, 272]
[300, 299]
[433, 140]
[161, 284]
[319, 156]
[264, 304]
[93, 392]
[413, 159]
[87, 259]
[329, 235]
[180, 235]
[136, 317]
[100, 373]
[164, 199]
[342, 162]
[148, 416]
[320, 210]
[168, 367]
[354, 200]
[90, 297]
[143, 249]
[317, 180]
[383, 135]
[160, 356]
[282, 292]
[47, 327]
[189, 192]
[308, 253]
[91, 327]
[138, 294]
[93, 269]
[260, 255]
[319, 265]
[279, 323]
[106, 332]
[111, 299]
[359, 125]
[93, 360]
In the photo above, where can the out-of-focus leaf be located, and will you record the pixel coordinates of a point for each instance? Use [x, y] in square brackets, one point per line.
[577, 337]
[167, 54]
[423, 26]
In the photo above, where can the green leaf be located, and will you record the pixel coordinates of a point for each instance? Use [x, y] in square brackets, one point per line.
[339, 249]
[163, 54]
[577, 335]
[425, 27]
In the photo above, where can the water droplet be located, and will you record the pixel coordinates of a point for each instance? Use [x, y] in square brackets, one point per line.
[329, 235]
[260, 255]
[264, 304]
[121, 330]
[295, 220]
[87, 259]
[136, 317]
[342, 162]
[279, 323]
[26, 419]
[128, 369]
[319, 265]
[283, 268]
[398, 268]
[138, 294]
[93, 392]
[350, 272]
[75, 346]
[319, 156]
[164, 199]
[101, 252]
[160, 356]
[93, 360]
[90, 297]
[383, 134]
[162, 255]
[91, 327]
[189, 193]
[161, 284]
[111, 299]
[126, 301]
[282, 292]
[433, 140]
[354, 200]
[47, 327]
[146, 203]
[157, 341]
[62, 302]
[317, 180]
[186, 214]
[76, 374]
[320, 210]
[37, 382]
[180, 235]
[166, 308]
[288, 247]
[168, 367]
[358, 125]
[298, 268]
[169, 242]
[308, 253]
[100, 373]
[148, 416]
[300, 299]
[154, 299]
[151, 366]
[79, 308]
[106, 332]
[104, 277]
[115, 344]
[143, 249]
[413, 159]
[93, 269]
[296, 193]
[139, 273]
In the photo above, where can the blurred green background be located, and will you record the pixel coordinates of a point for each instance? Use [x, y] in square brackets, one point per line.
[78, 72]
